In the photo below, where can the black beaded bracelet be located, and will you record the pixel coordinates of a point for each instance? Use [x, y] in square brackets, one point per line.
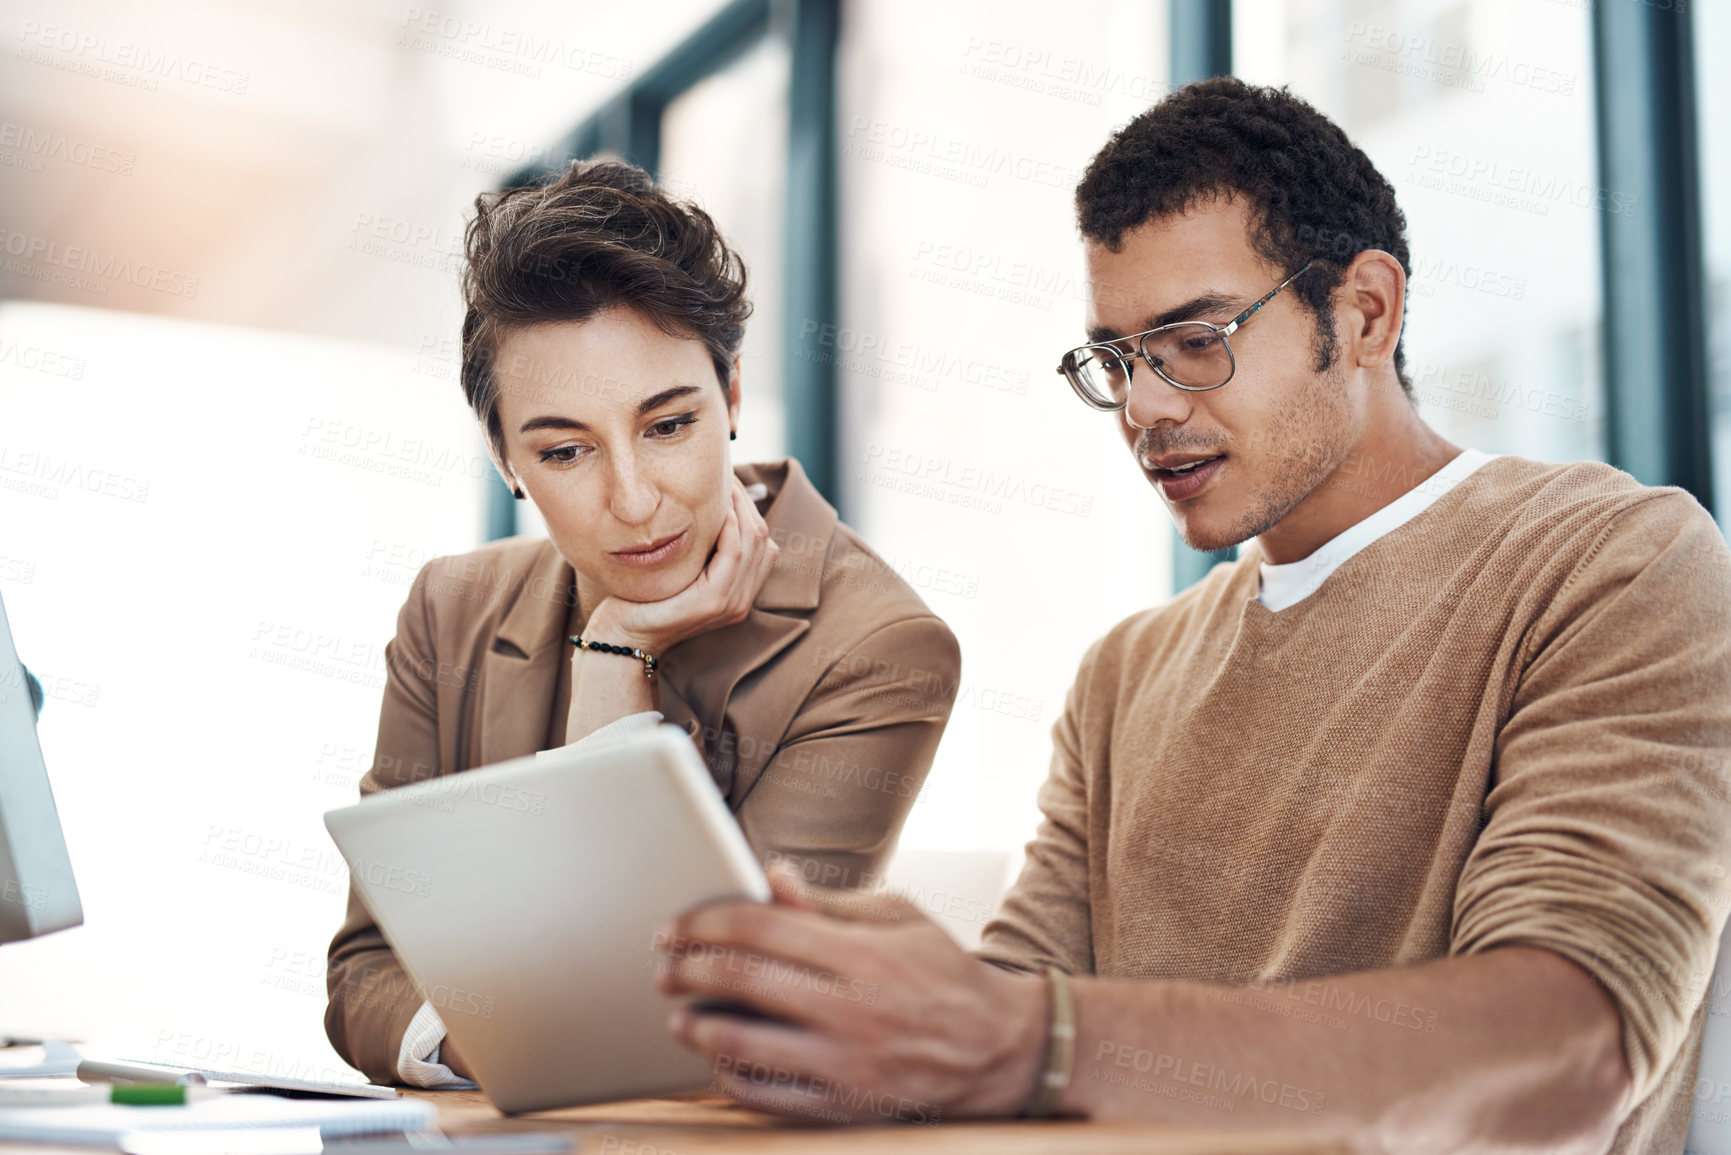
[650, 662]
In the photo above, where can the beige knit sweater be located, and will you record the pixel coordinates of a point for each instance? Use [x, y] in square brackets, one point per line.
[1506, 721]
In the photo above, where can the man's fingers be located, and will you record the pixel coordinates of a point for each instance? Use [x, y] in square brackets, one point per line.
[788, 888]
[791, 992]
[780, 1092]
[860, 906]
[792, 935]
[786, 1070]
[731, 1038]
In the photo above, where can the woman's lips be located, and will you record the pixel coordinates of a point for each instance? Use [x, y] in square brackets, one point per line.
[653, 554]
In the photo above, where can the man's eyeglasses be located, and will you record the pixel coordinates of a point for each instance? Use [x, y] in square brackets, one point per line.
[1189, 355]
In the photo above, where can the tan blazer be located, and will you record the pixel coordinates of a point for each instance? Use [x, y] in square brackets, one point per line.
[818, 715]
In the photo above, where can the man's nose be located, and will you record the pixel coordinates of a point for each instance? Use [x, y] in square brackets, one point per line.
[1153, 399]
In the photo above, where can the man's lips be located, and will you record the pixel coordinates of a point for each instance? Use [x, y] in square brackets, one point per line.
[1178, 464]
[657, 550]
[1195, 477]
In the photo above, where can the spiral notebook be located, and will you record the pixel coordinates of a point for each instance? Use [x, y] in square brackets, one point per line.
[109, 1124]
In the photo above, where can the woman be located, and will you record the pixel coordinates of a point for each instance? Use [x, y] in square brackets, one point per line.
[601, 355]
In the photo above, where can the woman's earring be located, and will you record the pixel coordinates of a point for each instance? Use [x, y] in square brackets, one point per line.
[517, 492]
[733, 435]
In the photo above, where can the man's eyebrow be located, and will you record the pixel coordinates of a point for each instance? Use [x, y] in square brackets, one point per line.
[1188, 311]
[647, 405]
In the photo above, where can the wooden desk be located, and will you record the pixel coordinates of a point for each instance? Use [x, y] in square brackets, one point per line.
[696, 1126]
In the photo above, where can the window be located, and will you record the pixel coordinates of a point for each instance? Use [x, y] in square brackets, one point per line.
[1481, 115]
[208, 533]
[724, 145]
[967, 462]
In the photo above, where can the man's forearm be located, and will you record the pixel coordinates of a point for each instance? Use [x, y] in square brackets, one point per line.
[1511, 1049]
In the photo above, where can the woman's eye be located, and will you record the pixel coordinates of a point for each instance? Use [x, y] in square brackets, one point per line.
[672, 425]
[564, 455]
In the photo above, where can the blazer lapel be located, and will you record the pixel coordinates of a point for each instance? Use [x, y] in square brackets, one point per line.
[521, 669]
[516, 703]
[707, 669]
[676, 708]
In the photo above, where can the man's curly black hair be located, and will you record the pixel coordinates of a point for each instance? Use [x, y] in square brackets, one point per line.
[1313, 194]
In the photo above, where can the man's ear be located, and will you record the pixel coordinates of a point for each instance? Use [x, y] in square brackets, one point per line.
[1372, 303]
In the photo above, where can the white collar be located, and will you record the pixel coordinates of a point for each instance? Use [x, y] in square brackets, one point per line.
[1284, 585]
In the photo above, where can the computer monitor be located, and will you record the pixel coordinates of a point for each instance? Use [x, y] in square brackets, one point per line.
[37, 891]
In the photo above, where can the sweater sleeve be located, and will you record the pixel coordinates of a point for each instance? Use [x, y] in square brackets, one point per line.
[1608, 832]
[1045, 919]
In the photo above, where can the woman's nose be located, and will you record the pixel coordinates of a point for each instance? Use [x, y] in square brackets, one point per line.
[634, 497]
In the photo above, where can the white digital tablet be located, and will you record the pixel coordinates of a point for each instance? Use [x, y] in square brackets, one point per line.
[522, 898]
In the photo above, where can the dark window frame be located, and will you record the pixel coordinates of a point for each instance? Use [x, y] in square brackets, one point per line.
[1654, 333]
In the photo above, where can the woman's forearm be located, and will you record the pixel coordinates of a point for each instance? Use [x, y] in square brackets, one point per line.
[605, 688]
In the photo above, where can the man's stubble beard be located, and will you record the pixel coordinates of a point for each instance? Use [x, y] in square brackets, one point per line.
[1308, 440]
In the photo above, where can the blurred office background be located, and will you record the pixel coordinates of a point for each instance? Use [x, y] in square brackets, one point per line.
[230, 428]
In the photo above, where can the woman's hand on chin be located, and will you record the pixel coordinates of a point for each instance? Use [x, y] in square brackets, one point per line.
[721, 595]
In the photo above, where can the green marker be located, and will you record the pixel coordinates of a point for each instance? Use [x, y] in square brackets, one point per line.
[160, 1094]
[130, 1094]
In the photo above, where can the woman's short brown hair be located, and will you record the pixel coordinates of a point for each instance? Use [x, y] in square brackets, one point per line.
[598, 235]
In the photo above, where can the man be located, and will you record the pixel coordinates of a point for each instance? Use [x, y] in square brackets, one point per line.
[1407, 827]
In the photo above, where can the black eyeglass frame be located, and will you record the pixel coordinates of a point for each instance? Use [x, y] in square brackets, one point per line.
[1068, 365]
